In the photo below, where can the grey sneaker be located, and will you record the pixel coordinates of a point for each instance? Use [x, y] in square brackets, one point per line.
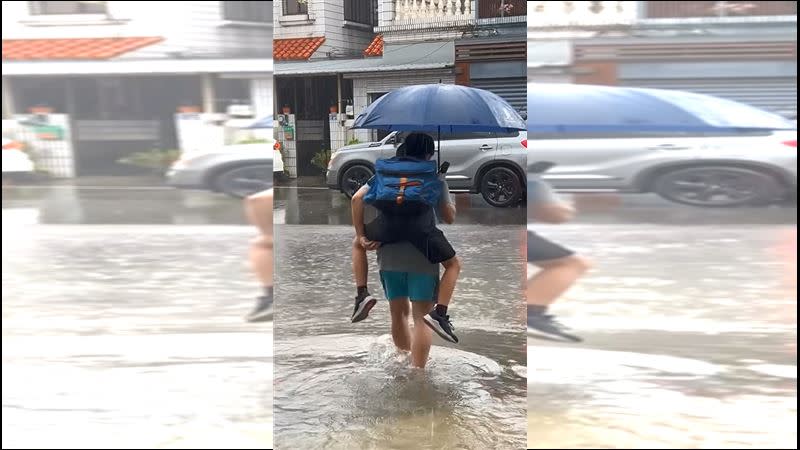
[545, 326]
[441, 325]
[364, 303]
[263, 310]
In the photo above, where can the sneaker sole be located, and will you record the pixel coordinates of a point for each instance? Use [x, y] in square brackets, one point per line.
[534, 333]
[260, 317]
[434, 325]
[364, 309]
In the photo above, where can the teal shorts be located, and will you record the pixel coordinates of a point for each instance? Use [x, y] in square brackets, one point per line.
[419, 287]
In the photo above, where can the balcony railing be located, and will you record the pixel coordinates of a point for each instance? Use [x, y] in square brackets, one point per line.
[550, 14]
[685, 10]
[432, 10]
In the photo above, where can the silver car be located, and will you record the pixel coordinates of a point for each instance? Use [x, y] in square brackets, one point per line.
[236, 170]
[705, 169]
[486, 163]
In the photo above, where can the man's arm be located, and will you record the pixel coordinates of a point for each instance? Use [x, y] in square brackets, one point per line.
[447, 209]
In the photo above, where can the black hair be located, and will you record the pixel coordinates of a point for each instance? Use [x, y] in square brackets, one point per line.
[419, 145]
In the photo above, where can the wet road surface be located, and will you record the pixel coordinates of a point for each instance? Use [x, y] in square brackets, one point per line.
[131, 336]
[689, 317]
[343, 385]
[691, 341]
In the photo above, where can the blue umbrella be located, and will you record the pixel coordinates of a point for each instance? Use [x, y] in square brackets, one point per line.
[586, 108]
[264, 122]
[440, 107]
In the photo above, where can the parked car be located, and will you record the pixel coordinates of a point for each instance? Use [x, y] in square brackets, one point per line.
[486, 163]
[235, 170]
[16, 163]
[703, 169]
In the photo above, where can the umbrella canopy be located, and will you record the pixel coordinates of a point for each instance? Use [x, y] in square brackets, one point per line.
[442, 108]
[554, 108]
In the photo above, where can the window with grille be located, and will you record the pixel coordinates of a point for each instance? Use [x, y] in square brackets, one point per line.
[359, 11]
[247, 11]
[292, 7]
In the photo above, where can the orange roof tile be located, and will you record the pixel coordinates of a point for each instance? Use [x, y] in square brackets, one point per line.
[295, 49]
[375, 48]
[83, 48]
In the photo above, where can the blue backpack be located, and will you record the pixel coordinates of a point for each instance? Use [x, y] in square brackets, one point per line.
[404, 186]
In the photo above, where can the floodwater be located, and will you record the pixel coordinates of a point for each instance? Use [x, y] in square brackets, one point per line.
[343, 385]
[690, 341]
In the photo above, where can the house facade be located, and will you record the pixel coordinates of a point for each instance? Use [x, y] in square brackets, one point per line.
[121, 71]
[744, 51]
[334, 58]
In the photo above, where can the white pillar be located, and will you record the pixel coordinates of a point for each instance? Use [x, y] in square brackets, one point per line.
[261, 96]
[8, 99]
[208, 93]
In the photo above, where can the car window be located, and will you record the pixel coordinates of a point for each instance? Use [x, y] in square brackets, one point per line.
[507, 134]
[466, 135]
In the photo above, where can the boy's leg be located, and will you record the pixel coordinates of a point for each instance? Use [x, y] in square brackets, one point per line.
[258, 208]
[560, 268]
[423, 288]
[360, 264]
[452, 267]
[421, 342]
[364, 301]
[555, 277]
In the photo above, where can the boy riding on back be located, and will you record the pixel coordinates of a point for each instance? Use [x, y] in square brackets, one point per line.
[406, 190]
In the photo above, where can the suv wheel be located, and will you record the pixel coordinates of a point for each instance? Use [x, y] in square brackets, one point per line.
[717, 186]
[240, 182]
[353, 178]
[501, 187]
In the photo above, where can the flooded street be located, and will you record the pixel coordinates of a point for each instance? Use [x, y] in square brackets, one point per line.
[129, 335]
[690, 341]
[343, 385]
[122, 323]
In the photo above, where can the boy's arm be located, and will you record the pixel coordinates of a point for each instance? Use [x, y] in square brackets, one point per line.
[447, 209]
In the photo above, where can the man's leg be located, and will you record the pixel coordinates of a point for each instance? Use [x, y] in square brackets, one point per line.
[401, 333]
[258, 208]
[421, 340]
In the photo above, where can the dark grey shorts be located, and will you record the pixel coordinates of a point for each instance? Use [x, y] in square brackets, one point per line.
[541, 249]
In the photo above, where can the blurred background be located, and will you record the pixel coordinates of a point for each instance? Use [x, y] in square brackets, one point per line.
[124, 298]
[689, 312]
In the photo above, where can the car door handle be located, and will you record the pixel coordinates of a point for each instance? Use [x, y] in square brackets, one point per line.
[669, 147]
[485, 147]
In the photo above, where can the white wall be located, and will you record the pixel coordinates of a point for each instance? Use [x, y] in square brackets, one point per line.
[386, 82]
[193, 27]
[325, 18]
